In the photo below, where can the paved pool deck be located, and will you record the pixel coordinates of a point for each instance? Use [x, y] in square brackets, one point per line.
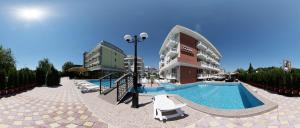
[65, 106]
[44, 107]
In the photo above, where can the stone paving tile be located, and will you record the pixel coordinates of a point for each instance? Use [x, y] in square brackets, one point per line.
[62, 107]
[46, 107]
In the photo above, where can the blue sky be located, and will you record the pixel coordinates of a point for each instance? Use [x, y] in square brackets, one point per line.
[261, 32]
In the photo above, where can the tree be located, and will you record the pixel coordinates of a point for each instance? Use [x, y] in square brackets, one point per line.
[7, 59]
[240, 70]
[45, 64]
[67, 65]
[53, 78]
[250, 69]
[47, 74]
[42, 71]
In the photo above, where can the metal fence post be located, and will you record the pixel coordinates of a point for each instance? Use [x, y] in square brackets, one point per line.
[109, 81]
[126, 83]
[118, 91]
[100, 85]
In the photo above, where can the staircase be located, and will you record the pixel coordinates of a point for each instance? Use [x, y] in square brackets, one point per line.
[114, 90]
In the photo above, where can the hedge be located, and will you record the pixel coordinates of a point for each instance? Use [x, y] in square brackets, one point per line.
[273, 79]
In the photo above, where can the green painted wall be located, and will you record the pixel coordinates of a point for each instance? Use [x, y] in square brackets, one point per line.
[111, 58]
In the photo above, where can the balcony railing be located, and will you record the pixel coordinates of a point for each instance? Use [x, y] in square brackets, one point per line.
[171, 76]
[209, 51]
[201, 45]
[172, 52]
[202, 55]
[162, 56]
[171, 43]
[168, 62]
[204, 76]
[203, 64]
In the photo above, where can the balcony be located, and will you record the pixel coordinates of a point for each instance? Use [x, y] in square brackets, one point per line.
[209, 59]
[161, 61]
[204, 76]
[168, 63]
[214, 55]
[201, 55]
[215, 62]
[171, 43]
[172, 52]
[161, 65]
[171, 76]
[215, 68]
[201, 45]
[203, 65]
[209, 51]
[162, 56]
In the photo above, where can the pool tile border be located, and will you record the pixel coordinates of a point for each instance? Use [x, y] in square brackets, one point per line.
[268, 106]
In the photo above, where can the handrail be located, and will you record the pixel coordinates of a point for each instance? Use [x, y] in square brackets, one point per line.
[122, 77]
[105, 76]
[110, 81]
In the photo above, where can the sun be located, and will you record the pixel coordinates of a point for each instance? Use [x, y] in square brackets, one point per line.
[31, 14]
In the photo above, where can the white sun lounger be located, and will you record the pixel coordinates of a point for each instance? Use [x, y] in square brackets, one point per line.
[163, 104]
[83, 85]
[80, 82]
[85, 89]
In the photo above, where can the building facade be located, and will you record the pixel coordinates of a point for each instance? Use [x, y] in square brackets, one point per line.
[186, 56]
[129, 64]
[105, 57]
[151, 70]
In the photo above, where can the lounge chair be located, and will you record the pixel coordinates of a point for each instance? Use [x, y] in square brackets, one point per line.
[77, 83]
[163, 104]
[84, 85]
[85, 89]
[144, 81]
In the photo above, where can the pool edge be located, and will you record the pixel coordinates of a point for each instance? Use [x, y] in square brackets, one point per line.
[266, 107]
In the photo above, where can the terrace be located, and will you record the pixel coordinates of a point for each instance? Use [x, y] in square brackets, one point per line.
[58, 107]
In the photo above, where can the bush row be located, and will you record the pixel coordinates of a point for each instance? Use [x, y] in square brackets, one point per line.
[274, 79]
[16, 80]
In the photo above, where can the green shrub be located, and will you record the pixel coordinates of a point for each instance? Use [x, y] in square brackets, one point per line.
[272, 76]
[12, 78]
[40, 76]
[53, 78]
[2, 79]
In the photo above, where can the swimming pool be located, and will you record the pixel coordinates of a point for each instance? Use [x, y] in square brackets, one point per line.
[213, 95]
[104, 82]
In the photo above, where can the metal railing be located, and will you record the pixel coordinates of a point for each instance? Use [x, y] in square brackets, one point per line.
[107, 82]
[123, 84]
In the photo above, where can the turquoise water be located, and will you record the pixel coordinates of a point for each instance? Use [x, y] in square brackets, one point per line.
[104, 82]
[214, 95]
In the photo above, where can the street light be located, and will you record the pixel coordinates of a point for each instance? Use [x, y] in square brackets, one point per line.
[135, 39]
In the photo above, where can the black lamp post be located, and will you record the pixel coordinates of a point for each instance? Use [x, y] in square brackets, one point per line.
[135, 40]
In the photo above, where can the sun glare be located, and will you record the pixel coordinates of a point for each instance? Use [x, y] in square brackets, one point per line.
[31, 14]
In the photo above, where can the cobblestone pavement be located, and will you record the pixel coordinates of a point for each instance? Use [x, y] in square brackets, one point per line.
[65, 106]
[47, 107]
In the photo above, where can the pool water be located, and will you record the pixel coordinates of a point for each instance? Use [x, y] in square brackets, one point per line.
[104, 82]
[214, 95]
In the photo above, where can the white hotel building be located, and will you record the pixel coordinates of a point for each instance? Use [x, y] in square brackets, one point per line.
[129, 64]
[186, 56]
